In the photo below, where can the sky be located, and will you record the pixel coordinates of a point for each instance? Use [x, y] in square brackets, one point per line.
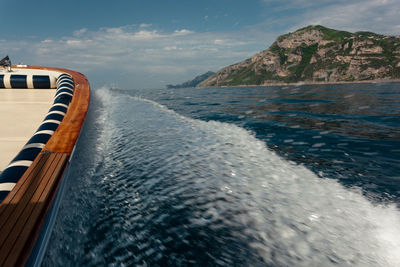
[148, 44]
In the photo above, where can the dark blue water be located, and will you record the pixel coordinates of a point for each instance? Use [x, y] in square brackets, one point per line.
[278, 176]
[347, 132]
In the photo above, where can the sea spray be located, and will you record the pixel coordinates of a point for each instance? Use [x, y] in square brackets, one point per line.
[169, 190]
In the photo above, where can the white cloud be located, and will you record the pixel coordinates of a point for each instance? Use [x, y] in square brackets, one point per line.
[116, 31]
[380, 16]
[142, 56]
[142, 35]
[74, 42]
[182, 32]
[169, 48]
[46, 41]
[145, 25]
[170, 56]
[80, 32]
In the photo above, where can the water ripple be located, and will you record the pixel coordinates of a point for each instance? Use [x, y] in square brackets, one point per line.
[162, 189]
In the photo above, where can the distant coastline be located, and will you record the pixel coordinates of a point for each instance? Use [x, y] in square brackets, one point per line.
[192, 83]
[301, 83]
[310, 83]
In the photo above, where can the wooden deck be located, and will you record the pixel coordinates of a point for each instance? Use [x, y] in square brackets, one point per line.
[23, 211]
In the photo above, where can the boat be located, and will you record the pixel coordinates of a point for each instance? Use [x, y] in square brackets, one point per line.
[31, 183]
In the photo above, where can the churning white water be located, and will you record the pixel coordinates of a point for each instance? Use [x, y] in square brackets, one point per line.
[170, 190]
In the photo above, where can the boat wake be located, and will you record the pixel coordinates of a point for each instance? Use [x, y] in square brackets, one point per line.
[148, 186]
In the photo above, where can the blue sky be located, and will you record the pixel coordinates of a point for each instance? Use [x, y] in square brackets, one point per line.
[147, 44]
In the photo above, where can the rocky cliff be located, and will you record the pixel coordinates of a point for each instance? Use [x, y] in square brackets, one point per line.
[316, 54]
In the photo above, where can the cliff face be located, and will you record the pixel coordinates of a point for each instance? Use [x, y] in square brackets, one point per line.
[316, 54]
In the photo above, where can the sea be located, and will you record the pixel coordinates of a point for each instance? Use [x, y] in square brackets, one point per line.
[300, 175]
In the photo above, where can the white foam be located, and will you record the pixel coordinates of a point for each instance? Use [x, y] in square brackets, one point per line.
[290, 210]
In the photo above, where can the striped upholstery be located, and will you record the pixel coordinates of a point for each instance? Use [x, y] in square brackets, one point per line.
[30, 81]
[17, 167]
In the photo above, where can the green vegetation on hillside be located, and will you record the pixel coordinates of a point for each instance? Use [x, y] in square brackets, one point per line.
[368, 34]
[317, 53]
[329, 34]
[307, 52]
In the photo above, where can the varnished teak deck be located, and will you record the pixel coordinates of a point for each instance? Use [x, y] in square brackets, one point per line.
[24, 210]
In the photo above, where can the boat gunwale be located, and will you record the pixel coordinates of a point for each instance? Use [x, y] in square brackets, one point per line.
[61, 142]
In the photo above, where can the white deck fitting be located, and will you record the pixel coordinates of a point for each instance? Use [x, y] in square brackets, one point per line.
[21, 113]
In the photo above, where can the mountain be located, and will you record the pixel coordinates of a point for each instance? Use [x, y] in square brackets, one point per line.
[316, 54]
[194, 82]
